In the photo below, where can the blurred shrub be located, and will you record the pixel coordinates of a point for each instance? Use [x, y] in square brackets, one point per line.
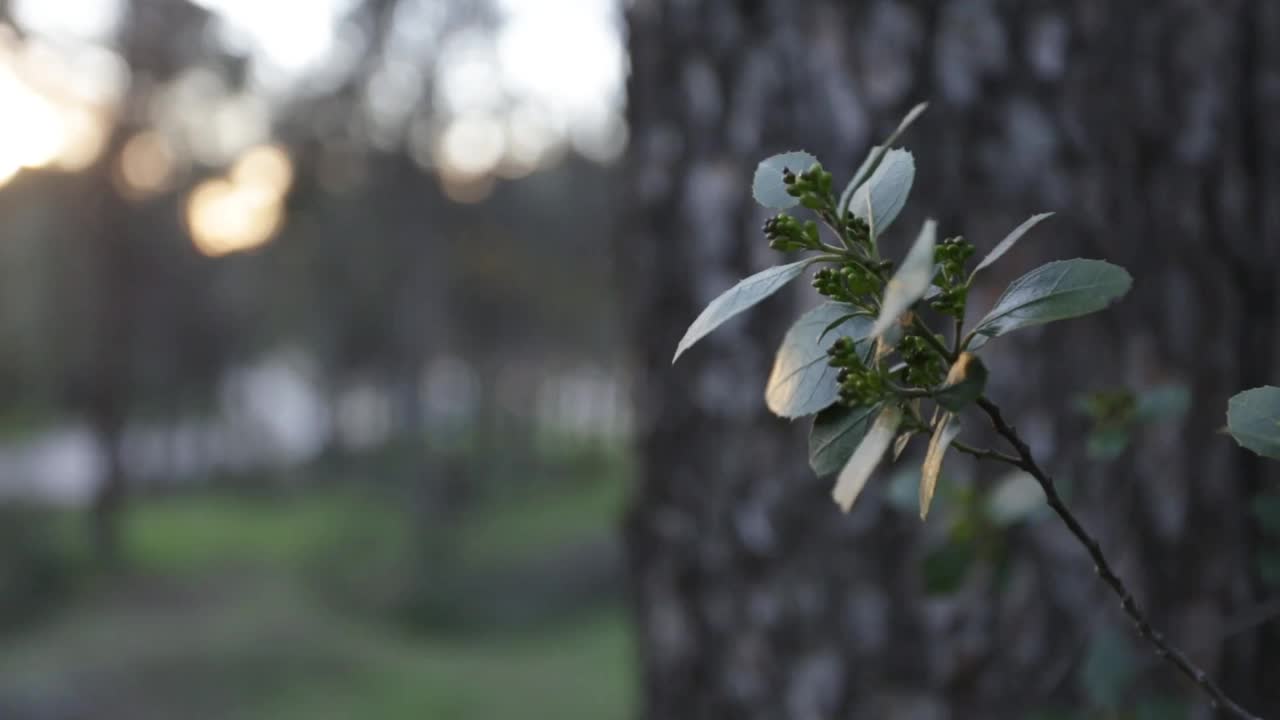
[38, 569]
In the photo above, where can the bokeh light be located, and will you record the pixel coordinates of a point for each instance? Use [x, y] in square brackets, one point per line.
[147, 163]
[243, 210]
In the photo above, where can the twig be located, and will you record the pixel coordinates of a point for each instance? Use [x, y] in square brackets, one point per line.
[1163, 649]
[984, 454]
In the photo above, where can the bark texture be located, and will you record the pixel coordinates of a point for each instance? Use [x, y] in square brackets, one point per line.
[1145, 125]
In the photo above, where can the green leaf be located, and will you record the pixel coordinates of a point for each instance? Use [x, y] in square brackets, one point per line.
[738, 298]
[1009, 241]
[837, 432]
[874, 157]
[802, 383]
[1016, 497]
[966, 380]
[944, 432]
[767, 186]
[865, 459]
[1056, 291]
[1253, 417]
[901, 442]
[909, 283]
[882, 197]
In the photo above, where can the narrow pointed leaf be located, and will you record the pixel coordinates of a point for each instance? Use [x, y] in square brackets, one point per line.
[740, 297]
[1253, 418]
[944, 432]
[879, 200]
[1057, 291]
[910, 282]
[767, 186]
[837, 432]
[802, 383]
[901, 443]
[875, 156]
[1010, 240]
[865, 459]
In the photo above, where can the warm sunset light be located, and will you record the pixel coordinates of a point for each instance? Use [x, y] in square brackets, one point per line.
[146, 163]
[33, 132]
[245, 209]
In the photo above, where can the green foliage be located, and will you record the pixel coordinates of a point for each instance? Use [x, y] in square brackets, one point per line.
[837, 432]
[944, 432]
[1253, 418]
[738, 298]
[909, 283]
[875, 156]
[1010, 240]
[892, 368]
[1058, 290]
[802, 382]
[853, 477]
[966, 380]
[878, 201]
[768, 187]
[885, 369]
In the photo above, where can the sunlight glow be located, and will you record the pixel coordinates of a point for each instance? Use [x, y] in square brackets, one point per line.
[32, 131]
[244, 210]
[147, 163]
[72, 19]
[285, 37]
[472, 145]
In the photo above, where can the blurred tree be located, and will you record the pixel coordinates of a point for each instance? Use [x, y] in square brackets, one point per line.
[1144, 126]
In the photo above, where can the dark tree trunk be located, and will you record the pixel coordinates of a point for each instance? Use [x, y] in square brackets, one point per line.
[1145, 126]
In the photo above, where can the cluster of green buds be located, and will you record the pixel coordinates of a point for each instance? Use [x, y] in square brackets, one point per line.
[848, 283]
[924, 367]
[786, 233]
[857, 230]
[812, 187]
[859, 384]
[951, 255]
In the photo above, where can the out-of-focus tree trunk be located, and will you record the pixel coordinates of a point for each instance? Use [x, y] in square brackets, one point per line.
[1144, 125]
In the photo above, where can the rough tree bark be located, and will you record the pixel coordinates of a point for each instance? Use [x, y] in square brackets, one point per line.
[1145, 126]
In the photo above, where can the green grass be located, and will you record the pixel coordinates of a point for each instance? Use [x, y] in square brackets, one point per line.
[522, 525]
[254, 647]
[234, 606]
[192, 533]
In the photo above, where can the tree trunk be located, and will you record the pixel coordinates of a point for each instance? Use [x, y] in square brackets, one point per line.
[1144, 126]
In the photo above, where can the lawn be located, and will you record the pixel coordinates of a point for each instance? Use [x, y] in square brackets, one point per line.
[226, 611]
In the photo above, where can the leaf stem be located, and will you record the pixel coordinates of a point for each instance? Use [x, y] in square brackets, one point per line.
[932, 339]
[1026, 461]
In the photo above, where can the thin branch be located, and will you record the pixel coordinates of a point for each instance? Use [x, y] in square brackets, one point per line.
[1163, 649]
[986, 454]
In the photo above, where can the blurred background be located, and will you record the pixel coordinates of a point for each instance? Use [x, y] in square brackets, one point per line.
[335, 344]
